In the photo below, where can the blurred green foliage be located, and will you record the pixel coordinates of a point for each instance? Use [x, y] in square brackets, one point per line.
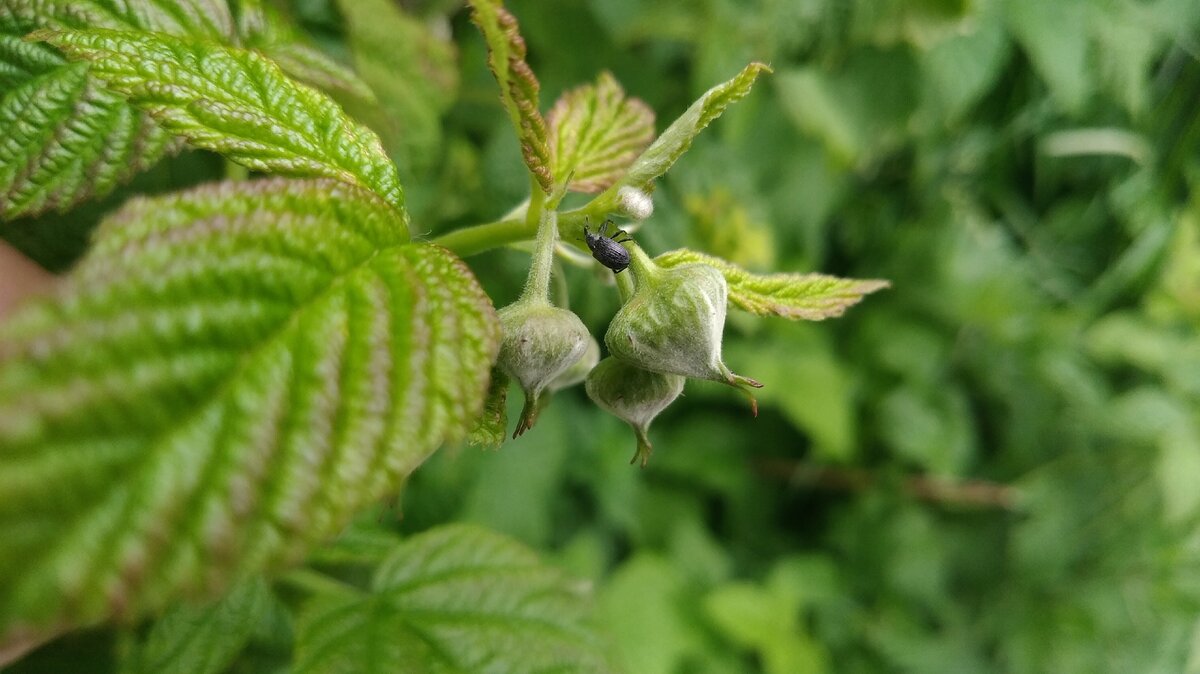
[992, 467]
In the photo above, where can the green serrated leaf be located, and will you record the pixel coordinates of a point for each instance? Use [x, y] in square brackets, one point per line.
[411, 67]
[314, 68]
[198, 18]
[265, 29]
[200, 639]
[228, 376]
[238, 103]
[518, 85]
[65, 138]
[491, 429]
[810, 297]
[676, 140]
[596, 133]
[456, 600]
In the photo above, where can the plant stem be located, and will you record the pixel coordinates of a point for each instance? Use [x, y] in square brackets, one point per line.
[625, 286]
[537, 285]
[310, 581]
[961, 494]
[640, 263]
[476, 239]
[235, 171]
[562, 293]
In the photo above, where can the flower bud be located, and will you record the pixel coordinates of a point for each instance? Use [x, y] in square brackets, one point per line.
[634, 395]
[579, 371]
[539, 342]
[634, 203]
[673, 323]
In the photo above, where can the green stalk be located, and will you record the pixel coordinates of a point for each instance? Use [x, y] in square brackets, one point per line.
[537, 285]
[625, 286]
[476, 239]
[640, 263]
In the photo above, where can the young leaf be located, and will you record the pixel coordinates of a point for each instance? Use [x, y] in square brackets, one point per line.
[491, 430]
[227, 377]
[65, 138]
[411, 67]
[238, 103]
[455, 599]
[596, 133]
[518, 85]
[201, 639]
[810, 297]
[673, 142]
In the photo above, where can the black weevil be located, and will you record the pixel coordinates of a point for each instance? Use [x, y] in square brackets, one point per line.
[607, 250]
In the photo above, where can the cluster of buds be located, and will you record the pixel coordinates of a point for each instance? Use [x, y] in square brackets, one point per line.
[669, 329]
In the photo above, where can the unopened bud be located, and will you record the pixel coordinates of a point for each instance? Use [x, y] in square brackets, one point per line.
[633, 395]
[674, 322]
[539, 342]
[634, 203]
[579, 371]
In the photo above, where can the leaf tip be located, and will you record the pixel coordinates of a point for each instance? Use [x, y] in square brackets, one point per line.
[759, 67]
[43, 35]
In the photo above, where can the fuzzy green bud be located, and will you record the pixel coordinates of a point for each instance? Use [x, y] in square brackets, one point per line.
[579, 371]
[633, 395]
[539, 342]
[673, 323]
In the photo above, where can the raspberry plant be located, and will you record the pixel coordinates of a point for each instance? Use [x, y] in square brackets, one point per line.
[232, 372]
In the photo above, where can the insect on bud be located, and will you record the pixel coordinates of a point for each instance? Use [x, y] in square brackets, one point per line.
[633, 395]
[539, 342]
[674, 322]
[634, 203]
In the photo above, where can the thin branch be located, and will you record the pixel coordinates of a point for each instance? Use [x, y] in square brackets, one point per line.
[956, 493]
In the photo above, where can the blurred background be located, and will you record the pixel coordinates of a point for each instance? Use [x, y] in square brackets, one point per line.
[993, 466]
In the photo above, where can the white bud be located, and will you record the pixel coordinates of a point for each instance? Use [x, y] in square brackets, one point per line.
[635, 203]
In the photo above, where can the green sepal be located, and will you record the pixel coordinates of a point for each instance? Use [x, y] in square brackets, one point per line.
[812, 297]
